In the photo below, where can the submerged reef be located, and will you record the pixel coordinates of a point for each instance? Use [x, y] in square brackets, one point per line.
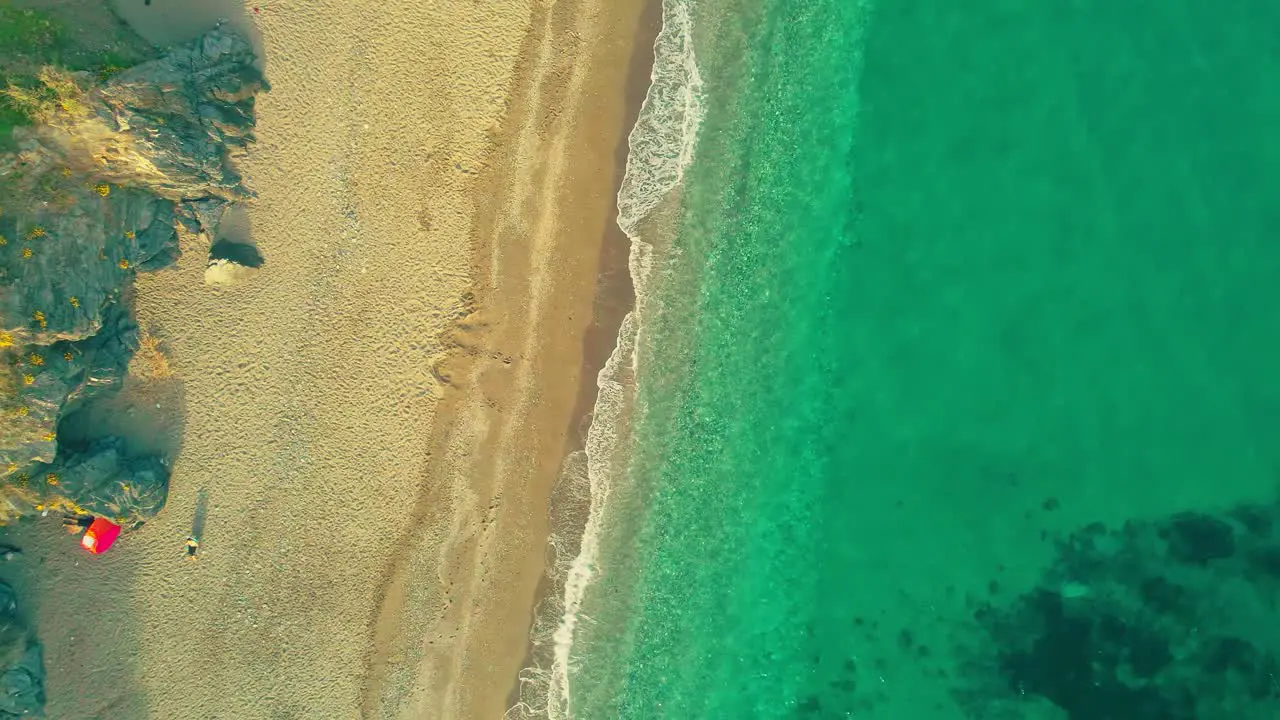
[96, 191]
[1163, 619]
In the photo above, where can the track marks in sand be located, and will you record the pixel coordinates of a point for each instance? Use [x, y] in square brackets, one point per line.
[462, 496]
[547, 197]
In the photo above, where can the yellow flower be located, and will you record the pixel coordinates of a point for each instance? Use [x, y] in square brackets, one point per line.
[5, 339]
[36, 359]
[124, 264]
[28, 379]
[51, 478]
[130, 234]
[68, 356]
[39, 318]
[75, 301]
[3, 241]
[12, 466]
[22, 410]
[66, 172]
[102, 189]
[48, 437]
[35, 232]
[26, 253]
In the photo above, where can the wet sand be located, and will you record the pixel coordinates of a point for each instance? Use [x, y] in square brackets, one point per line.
[376, 417]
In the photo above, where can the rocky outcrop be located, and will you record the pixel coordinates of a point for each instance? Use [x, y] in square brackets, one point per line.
[21, 664]
[95, 193]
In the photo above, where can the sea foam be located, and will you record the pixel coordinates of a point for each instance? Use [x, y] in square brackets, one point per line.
[660, 149]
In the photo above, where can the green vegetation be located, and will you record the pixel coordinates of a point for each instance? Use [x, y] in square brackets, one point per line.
[39, 50]
[26, 38]
[54, 93]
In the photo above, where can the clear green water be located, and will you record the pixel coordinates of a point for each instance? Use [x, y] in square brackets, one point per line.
[957, 280]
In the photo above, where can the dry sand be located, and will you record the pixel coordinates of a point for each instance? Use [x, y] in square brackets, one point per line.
[377, 416]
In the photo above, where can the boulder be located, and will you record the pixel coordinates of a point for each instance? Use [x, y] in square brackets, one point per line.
[21, 662]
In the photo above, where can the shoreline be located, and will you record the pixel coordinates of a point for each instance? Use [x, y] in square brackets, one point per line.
[615, 293]
[549, 275]
[614, 296]
[380, 416]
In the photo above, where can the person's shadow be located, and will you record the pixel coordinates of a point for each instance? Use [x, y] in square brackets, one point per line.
[202, 509]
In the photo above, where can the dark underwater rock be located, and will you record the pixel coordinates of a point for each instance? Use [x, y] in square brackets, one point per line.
[1158, 620]
[1198, 538]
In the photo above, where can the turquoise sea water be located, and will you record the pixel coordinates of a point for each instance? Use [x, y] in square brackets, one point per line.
[960, 396]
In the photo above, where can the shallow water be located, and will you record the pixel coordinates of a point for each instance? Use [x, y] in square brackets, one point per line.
[966, 304]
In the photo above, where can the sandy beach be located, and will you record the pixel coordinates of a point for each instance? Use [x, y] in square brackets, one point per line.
[374, 420]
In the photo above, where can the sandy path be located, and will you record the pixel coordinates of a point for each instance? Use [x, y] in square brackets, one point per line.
[376, 502]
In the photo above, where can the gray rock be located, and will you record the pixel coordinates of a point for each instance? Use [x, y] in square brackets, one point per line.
[68, 374]
[103, 480]
[22, 685]
[21, 662]
[90, 197]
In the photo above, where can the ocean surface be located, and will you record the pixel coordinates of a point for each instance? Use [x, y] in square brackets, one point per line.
[954, 386]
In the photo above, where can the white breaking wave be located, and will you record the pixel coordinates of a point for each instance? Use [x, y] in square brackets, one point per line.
[660, 146]
[660, 149]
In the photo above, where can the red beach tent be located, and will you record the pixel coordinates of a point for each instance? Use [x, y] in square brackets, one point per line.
[100, 535]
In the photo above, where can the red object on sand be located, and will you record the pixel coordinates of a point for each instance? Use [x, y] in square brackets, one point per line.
[100, 535]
